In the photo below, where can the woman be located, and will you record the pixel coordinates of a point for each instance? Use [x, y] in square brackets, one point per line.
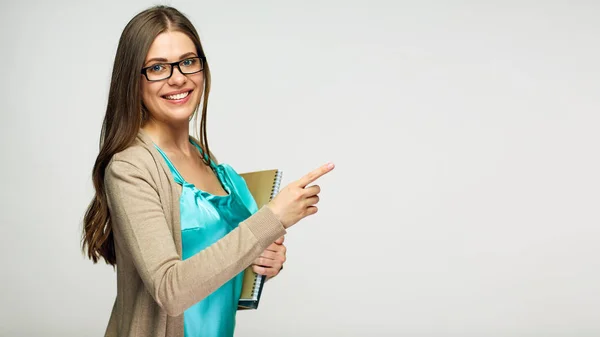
[179, 227]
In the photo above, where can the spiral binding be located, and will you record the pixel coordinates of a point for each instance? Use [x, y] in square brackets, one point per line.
[256, 287]
[276, 184]
[259, 279]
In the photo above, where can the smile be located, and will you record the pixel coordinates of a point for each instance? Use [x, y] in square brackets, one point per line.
[178, 96]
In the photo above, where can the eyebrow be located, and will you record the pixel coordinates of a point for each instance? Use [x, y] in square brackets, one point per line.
[160, 59]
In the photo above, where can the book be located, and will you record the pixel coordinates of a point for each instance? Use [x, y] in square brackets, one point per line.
[263, 186]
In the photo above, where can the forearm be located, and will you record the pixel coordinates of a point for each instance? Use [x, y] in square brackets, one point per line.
[189, 281]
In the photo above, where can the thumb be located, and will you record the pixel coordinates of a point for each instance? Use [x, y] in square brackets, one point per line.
[280, 240]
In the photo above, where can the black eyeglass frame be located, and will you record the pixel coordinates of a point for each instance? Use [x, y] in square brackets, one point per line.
[173, 65]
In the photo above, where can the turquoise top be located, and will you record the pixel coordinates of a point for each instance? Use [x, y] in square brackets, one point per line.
[206, 218]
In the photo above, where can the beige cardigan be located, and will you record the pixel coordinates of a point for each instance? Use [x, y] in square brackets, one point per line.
[154, 286]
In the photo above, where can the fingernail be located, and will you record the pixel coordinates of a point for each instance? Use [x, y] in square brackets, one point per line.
[330, 165]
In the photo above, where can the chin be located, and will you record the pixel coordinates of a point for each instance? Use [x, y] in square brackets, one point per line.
[180, 113]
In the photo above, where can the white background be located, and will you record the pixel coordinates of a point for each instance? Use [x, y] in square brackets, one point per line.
[465, 198]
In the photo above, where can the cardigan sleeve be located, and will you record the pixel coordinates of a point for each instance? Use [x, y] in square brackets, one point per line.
[140, 229]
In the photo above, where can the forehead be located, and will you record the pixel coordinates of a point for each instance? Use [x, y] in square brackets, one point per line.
[171, 45]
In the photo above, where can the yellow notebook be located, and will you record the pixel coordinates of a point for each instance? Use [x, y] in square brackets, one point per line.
[263, 185]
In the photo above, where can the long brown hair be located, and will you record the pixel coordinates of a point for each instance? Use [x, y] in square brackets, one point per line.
[125, 115]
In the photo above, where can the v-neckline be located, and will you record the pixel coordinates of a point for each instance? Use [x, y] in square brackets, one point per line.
[215, 168]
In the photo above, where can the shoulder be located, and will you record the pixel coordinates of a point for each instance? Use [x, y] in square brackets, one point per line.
[229, 169]
[138, 155]
[236, 178]
[240, 187]
[136, 160]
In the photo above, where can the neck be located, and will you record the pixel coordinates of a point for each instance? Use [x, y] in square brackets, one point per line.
[170, 138]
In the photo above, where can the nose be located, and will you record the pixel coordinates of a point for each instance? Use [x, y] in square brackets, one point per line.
[177, 79]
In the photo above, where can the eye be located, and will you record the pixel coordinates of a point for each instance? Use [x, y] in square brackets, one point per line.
[188, 62]
[156, 68]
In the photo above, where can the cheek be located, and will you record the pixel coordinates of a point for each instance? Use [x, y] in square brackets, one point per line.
[144, 92]
[199, 83]
[148, 92]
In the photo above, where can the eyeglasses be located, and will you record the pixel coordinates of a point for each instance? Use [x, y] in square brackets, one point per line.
[162, 71]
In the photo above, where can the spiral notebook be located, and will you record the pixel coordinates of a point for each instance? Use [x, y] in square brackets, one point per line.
[263, 185]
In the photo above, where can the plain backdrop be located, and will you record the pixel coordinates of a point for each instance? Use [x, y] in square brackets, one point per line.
[465, 201]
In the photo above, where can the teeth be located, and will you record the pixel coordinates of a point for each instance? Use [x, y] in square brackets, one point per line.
[178, 96]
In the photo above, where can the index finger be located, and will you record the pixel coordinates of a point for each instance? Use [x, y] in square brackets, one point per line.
[316, 174]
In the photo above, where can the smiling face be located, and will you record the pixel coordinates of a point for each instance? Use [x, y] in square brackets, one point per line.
[172, 100]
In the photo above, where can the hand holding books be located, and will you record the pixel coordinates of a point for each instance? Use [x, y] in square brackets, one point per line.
[291, 204]
[297, 200]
